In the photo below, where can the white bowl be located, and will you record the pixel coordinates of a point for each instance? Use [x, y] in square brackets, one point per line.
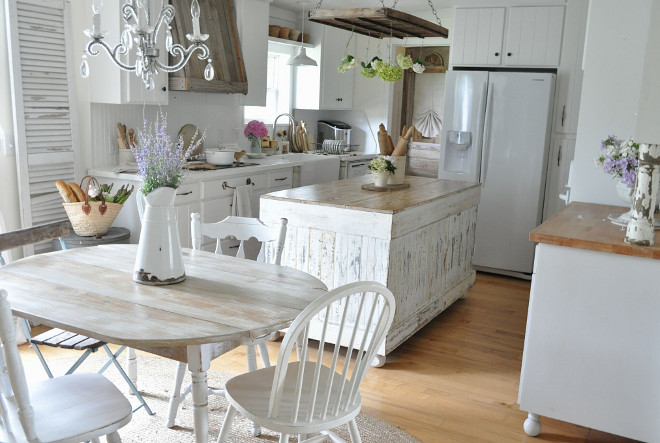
[219, 157]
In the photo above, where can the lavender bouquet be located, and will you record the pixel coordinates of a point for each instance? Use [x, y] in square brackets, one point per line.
[160, 162]
[619, 159]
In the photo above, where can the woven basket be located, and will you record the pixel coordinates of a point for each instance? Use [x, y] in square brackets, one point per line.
[91, 218]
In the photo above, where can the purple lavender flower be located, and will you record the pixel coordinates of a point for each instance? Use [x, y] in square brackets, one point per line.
[160, 162]
[619, 159]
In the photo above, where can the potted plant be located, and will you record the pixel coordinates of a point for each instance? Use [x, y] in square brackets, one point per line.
[381, 168]
[160, 166]
[254, 131]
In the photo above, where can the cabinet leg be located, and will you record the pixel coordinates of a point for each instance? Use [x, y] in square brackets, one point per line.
[532, 425]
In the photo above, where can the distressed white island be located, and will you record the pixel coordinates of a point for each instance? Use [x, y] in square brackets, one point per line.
[417, 241]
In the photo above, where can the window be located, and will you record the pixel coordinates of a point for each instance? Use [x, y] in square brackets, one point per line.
[278, 89]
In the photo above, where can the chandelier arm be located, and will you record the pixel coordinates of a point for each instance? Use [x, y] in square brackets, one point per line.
[185, 54]
[129, 12]
[165, 17]
[112, 52]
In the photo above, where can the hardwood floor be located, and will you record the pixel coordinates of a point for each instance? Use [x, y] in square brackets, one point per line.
[456, 380]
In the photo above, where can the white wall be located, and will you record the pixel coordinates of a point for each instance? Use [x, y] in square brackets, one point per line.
[9, 199]
[613, 64]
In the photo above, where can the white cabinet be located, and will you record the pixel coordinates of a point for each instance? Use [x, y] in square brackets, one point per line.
[252, 20]
[185, 202]
[477, 36]
[562, 150]
[323, 87]
[515, 36]
[110, 84]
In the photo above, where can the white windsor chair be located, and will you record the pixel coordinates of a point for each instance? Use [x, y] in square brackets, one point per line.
[242, 229]
[309, 396]
[72, 408]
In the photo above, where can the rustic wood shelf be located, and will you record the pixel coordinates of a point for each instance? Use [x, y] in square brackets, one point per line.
[378, 22]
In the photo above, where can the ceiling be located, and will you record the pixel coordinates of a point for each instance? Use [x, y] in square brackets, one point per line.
[402, 5]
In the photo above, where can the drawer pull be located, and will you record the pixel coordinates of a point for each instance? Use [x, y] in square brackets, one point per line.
[185, 193]
[281, 179]
[226, 186]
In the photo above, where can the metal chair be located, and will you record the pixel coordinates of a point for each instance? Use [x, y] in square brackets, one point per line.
[241, 229]
[58, 337]
[309, 396]
[77, 407]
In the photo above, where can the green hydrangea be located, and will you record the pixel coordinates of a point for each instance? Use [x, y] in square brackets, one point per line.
[347, 63]
[368, 69]
[405, 61]
[389, 73]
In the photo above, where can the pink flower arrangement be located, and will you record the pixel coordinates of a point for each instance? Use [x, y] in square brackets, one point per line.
[255, 129]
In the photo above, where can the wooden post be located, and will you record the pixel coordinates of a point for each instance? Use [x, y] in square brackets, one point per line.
[640, 227]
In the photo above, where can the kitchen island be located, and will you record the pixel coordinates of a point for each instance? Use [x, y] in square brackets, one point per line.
[417, 241]
[591, 346]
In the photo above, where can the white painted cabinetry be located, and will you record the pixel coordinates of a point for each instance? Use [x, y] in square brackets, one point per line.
[110, 84]
[323, 87]
[252, 18]
[516, 36]
[562, 150]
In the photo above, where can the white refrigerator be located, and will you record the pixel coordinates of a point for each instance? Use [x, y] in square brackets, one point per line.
[496, 131]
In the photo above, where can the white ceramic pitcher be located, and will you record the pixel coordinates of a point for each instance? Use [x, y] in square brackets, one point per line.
[159, 259]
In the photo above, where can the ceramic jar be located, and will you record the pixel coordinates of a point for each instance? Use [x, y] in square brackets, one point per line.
[159, 259]
[381, 178]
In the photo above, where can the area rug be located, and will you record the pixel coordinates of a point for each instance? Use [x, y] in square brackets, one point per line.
[155, 380]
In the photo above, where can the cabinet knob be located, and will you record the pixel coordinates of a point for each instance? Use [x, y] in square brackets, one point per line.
[497, 54]
[508, 54]
[339, 99]
[164, 89]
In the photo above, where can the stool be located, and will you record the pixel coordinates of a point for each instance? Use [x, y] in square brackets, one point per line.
[114, 235]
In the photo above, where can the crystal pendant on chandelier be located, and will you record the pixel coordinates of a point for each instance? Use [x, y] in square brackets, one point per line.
[127, 38]
[84, 67]
[168, 39]
[209, 72]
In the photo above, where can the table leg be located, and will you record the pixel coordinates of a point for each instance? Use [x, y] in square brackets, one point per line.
[198, 364]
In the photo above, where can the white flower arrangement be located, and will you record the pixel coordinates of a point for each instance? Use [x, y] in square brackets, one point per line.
[382, 164]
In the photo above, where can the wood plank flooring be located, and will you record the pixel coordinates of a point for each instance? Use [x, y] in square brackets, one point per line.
[456, 380]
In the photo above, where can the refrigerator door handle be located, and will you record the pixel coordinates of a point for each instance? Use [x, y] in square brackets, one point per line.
[486, 137]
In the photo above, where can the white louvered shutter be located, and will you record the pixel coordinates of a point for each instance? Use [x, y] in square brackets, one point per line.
[41, 77]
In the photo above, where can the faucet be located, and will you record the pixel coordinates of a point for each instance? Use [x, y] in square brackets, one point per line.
[292, 122]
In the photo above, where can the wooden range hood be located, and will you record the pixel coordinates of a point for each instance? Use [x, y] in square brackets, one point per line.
[216, 20]
[378, 22]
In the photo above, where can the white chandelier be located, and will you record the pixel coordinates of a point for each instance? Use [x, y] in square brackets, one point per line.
[140, 29]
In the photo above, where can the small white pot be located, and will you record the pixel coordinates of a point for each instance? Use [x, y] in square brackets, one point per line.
[381, 178]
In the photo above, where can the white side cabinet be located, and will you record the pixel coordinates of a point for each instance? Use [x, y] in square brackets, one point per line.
[516, 36]
[110, 84]
[323, 87]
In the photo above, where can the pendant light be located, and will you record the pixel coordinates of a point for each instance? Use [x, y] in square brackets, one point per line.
[301, 59]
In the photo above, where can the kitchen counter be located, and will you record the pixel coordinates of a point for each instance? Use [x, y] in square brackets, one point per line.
[417, 241]
[592, 327]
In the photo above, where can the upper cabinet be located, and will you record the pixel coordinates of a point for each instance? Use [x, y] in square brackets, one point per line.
[110, 84]
[323, 87]
[252, 19]
[520, 36]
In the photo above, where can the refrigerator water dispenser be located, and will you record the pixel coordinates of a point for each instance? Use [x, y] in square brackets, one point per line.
[457, 152]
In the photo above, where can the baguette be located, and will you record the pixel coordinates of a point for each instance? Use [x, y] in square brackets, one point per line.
[77, 191]
[67, 194]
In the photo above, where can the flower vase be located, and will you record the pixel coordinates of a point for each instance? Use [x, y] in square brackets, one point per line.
[159, 259]
[255, 145]
[381, 178]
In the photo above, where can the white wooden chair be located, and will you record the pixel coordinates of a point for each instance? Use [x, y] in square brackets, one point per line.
[242, 229]
[309, 396]
[72, 408]
[58, 337]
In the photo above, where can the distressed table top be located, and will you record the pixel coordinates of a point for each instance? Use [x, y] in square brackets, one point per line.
[585, 226]
[90, 291]
[349, 194]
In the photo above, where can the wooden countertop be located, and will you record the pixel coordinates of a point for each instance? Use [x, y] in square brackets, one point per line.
[349, 194]
[585, 226]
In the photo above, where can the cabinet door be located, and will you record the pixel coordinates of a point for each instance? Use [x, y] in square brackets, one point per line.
[534, 36]
[183, 212]
[561, 154]
[336, 88]
[477, 36]
[252, 20]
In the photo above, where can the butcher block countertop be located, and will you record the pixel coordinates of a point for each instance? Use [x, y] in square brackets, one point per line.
[585, 226]
[349, 194]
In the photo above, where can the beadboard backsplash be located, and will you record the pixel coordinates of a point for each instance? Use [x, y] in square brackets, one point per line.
[217, 114]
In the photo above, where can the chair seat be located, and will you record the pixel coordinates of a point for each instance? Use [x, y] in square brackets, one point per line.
[75, 407]
[60, 338]
[249, 393]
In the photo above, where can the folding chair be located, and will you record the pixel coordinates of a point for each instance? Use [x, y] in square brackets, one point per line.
[58, 337]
